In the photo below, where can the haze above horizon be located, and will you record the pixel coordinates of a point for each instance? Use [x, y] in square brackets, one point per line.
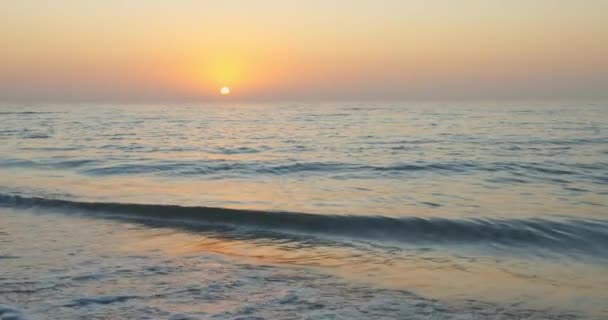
[130, 51]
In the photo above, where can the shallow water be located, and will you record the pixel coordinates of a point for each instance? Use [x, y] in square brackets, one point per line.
[334, 210]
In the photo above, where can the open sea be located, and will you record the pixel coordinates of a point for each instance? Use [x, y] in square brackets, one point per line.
[304, 211]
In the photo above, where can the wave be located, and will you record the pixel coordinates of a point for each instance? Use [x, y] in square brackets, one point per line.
[529, 171]
[9, 312]
[104, 300]
[585, 235]
[27, 112]
[24, 134]
[245, 168]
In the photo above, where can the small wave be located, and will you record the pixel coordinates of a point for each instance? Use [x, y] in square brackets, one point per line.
[534, 170]
[238, 150]
[27, 112]
[582, 235]
[8, 257]
[47, 163]
[299, 167]
[36, 136]
[553, 171]
[11, 313]
[50, 149]
[24, 134]
[85, 301]
[123, 169]
[180, 316]
[245, 168]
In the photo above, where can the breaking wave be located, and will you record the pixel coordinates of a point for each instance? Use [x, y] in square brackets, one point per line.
[580, 235]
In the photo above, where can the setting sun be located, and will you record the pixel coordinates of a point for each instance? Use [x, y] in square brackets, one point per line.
[225, 91]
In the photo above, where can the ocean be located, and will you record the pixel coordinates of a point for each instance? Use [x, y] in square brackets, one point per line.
[304, 210]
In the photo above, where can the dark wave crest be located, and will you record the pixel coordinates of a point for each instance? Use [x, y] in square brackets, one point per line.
[583, 235]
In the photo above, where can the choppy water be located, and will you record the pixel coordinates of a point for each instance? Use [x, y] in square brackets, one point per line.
[296, 210]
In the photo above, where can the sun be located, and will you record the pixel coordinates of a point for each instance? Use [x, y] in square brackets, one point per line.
[225, 91]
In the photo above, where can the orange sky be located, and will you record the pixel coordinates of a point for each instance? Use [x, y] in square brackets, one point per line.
[161, 50]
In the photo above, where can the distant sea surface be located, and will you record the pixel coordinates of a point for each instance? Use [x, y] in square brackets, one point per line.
[342, 210]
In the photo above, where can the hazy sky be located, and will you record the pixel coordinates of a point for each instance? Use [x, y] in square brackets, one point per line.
[163, 50]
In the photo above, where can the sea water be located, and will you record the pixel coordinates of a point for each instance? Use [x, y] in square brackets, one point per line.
[301, 210]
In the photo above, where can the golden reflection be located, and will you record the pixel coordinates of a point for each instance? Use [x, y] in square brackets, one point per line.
[431, 273]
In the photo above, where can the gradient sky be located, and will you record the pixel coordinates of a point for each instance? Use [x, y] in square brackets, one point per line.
[164, 50]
